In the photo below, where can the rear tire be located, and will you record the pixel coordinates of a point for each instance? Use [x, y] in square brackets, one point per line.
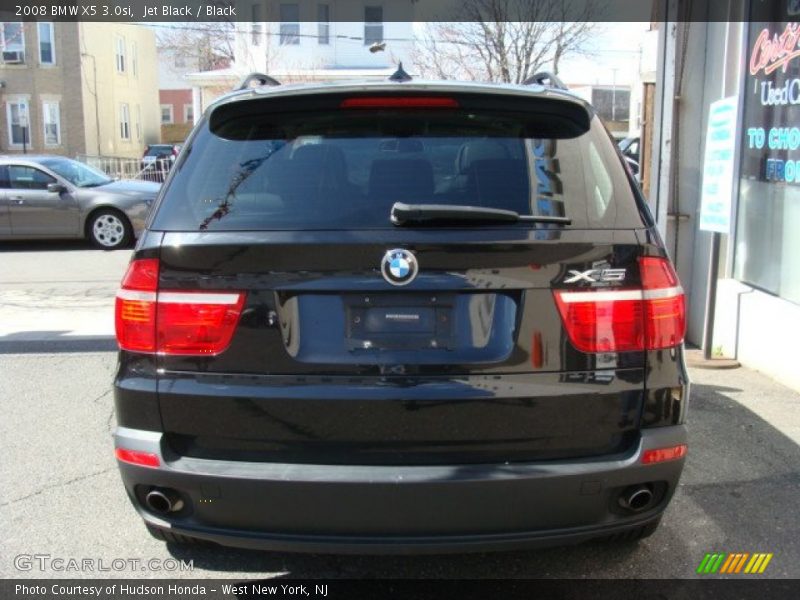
[162, 535]
[109, 229]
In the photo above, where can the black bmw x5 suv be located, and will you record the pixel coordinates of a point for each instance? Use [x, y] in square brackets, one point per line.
[395, 317]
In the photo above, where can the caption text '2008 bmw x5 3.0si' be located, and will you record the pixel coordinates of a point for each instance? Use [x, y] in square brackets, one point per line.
[400, 316]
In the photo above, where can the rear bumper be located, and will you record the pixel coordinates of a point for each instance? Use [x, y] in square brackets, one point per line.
[399, 509]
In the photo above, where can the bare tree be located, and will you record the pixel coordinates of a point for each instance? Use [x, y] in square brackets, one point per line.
[505, 40]
[202, 45]
[571, 38]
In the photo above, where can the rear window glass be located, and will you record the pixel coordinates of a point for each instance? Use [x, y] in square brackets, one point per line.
[345, 170]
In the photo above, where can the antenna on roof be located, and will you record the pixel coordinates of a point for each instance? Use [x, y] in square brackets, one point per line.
[546, 78]
[400, 75]
[259, 78]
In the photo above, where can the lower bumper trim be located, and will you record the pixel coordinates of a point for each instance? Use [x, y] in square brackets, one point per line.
[360, 545]
[403, 509]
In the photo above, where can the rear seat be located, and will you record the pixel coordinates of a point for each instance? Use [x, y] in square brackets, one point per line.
[492, 178]
[315, 176]
[399, 180]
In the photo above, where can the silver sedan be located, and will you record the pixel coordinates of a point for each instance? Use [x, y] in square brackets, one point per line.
[56, 197]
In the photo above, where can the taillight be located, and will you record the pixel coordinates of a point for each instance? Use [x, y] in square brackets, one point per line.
[399, 102]
[135, 308]
[664, 303]
[141, 275]
[196, 322]
[136, 457]
[172, 322]
[613, 320]
[658, 455]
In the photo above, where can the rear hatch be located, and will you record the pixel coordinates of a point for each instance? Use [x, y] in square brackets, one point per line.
[280, 210]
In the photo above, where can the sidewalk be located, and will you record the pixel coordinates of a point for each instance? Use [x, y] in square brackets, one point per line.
[58, 292]
[776, 404]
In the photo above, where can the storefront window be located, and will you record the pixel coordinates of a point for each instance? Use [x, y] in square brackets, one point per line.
[767, 251]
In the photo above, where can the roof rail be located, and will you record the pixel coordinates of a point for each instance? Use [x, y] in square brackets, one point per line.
[400, 74]
[546, 78]
[259, 78]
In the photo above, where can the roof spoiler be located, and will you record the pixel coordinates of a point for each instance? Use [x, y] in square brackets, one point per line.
[259, 78]
[546, 78]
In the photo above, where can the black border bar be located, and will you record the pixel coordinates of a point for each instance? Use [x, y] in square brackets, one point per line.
[711, 587]
[247, 11]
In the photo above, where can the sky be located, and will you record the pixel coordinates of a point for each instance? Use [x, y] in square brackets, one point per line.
[611, 57]
[615, 47]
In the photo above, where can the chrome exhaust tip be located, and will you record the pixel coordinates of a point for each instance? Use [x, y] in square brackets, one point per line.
[163, 501]
[636, 498]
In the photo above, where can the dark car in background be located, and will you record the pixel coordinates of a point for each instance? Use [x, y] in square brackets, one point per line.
[400, 317]
[53, 197]
[629, 147]
[157, 161]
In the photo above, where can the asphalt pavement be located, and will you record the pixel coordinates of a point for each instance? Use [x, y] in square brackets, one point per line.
[61, 496]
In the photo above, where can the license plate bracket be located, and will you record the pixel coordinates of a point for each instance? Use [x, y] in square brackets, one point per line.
[376, 322]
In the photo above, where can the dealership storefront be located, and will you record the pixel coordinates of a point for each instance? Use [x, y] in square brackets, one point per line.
[743, 55]
[767, 249]
[758, 303]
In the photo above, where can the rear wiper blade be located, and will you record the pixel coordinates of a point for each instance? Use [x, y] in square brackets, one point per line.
[403, 214]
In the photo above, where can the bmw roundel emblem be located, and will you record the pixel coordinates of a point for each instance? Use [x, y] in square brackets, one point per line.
[399, 267]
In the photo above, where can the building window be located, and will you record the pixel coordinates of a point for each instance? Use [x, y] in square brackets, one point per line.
[134, 59]
[290, 25]
[373, 25]
[120, 54]
[324, 24]
[124, 122]
[47, 49]
[18, 115]
[188, 113]
[767, 244]
[138, 123]
[12, 43]
[255, 33]
[166, 114]
[255, 25]
[52, 123]
[612, 105]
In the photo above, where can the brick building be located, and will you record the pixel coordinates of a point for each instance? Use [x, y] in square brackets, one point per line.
[77, 88]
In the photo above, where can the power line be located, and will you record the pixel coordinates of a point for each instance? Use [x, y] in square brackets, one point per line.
[352, 38]
[293, 35]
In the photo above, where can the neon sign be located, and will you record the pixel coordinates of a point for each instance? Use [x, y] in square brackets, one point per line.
[771, 54]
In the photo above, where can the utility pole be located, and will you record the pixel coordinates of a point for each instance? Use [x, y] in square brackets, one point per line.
[96, 101]
[614, 94]
[23, 123]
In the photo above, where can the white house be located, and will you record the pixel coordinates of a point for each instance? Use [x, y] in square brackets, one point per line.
[308, 40]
